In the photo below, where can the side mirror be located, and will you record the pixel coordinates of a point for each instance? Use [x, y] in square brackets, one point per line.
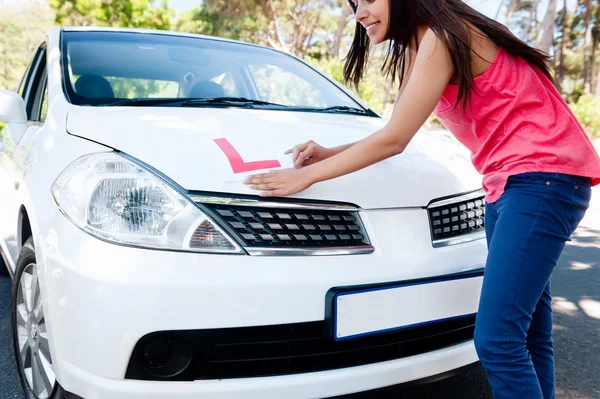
[12, 111]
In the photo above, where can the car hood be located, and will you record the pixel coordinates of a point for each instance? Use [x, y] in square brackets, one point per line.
[190, 146]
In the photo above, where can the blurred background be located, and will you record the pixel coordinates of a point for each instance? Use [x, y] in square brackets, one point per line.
[318, 31]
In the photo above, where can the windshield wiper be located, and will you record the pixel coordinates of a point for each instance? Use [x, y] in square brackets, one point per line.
[137, 102]
[229, 101]
[193, 102]
[342, 109]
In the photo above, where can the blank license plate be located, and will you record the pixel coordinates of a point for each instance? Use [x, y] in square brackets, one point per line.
[370, 311]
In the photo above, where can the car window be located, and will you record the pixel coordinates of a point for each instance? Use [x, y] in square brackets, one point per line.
[23, 82]
[279, 86]
[100, 68]
[29, 86]
[44, 106]
[35, 94]
[25, 79]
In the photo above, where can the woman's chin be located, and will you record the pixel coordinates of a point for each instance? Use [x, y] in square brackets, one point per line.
[377, 39]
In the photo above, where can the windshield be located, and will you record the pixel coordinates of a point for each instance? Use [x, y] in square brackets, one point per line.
[104, 68]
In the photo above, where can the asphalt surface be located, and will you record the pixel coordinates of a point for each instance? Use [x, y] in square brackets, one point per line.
[576, 291]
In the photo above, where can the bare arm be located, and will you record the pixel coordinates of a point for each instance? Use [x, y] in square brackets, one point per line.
[409, 67]
[423, 89]
[432, 71]
[342, 148]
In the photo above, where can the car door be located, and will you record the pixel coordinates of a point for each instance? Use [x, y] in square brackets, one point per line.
[16, 157]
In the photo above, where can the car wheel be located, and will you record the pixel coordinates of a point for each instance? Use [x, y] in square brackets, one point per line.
[30, 338]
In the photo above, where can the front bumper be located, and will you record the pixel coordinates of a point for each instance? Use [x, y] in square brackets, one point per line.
[101, 299]
[297, 386]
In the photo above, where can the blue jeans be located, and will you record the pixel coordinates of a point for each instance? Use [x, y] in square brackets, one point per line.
[527, 230]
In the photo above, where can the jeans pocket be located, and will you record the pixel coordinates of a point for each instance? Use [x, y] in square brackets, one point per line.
[579, 182]
[579, 206]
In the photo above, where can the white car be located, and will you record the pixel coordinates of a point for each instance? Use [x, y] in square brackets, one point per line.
[144, 268]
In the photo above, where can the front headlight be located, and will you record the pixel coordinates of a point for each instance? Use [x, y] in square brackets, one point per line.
[115, 199]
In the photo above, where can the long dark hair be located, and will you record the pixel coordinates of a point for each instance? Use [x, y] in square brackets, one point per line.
[449, 20]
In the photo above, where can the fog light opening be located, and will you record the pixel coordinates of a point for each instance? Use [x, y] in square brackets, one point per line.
[165, 356]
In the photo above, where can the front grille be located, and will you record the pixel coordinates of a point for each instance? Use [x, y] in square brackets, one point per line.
[451, 219]
[291, 228]
[290, 349]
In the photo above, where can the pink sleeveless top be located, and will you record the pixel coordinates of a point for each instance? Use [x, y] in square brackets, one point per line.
[518, 123]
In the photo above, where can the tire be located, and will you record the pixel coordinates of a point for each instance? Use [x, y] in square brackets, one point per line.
[32, 325]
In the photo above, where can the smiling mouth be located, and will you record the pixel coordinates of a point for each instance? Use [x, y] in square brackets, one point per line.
[372, 26]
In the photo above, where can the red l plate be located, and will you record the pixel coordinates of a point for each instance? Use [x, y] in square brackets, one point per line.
[238, 165]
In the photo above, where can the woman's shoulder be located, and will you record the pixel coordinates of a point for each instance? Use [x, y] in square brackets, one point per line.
[483, 51]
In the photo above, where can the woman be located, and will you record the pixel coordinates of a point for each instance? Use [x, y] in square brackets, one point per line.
[496, 95]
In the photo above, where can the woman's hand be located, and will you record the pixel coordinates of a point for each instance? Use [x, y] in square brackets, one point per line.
[280, 183]
[309, 153]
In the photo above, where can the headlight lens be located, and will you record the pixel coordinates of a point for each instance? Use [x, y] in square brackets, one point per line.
[115, 199]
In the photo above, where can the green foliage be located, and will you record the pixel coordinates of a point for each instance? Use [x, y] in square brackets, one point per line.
[8, 30]
[298, 27]
[331, 66]
[587, 111]
[119, 13]
[22, 29]
[208, 19]
[372, 90]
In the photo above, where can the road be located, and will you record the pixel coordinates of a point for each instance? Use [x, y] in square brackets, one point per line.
[576, 290]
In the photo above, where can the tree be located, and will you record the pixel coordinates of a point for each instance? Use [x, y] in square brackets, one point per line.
[564, 37]
[596, 34]
[521, 16]
[8, 30]
[247, 21]
[532, 26]
[342, 23]
[512, 6]
[546, 38]
[22, 30]
[587, 44]
[299, 27]
[119, 13]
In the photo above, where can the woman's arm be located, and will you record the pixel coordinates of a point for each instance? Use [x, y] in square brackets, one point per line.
[410, 62]
[302, 153]
[342, 148]
[432, 71]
